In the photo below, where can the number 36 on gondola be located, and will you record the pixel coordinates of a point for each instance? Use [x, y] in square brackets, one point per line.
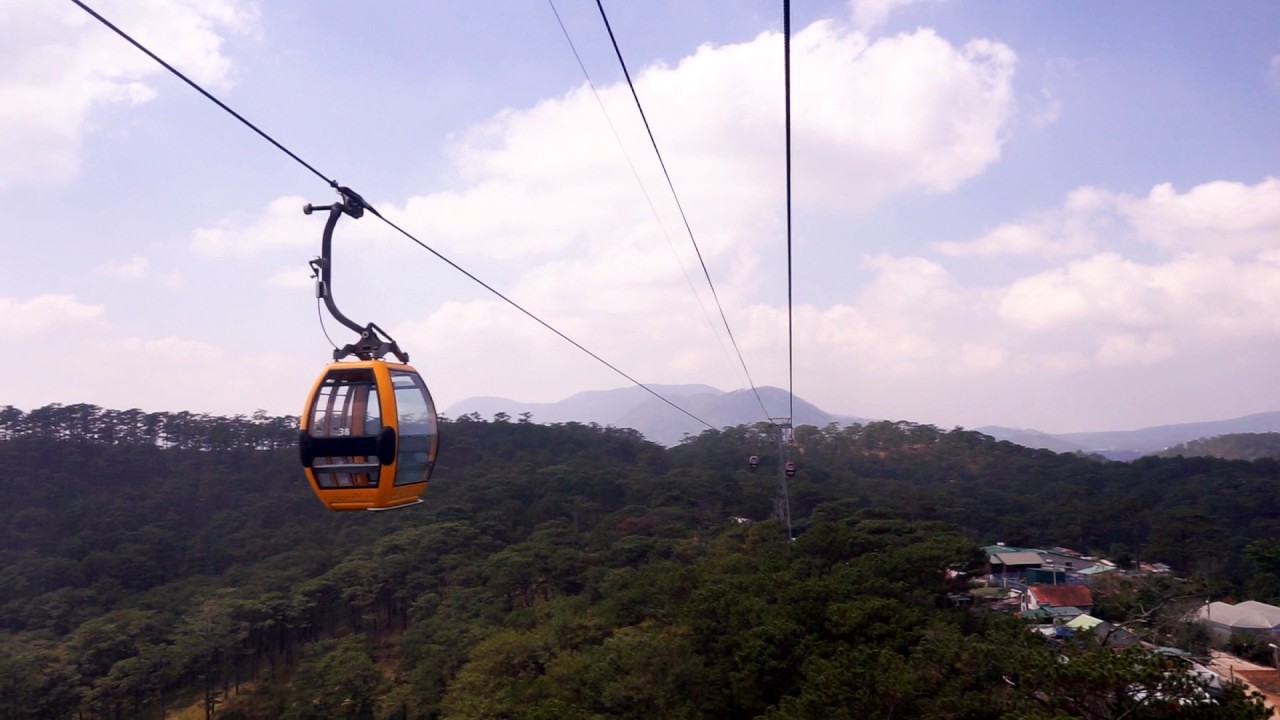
[369, 431]
[369, 436]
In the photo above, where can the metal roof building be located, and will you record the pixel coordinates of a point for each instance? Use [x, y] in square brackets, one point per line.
[1251, 617]
[1022, 559]
[1060, 596]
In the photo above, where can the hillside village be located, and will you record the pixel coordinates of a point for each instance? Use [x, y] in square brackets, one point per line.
[1053, 590]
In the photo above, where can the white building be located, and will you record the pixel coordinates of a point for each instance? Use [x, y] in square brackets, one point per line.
[1250, 617]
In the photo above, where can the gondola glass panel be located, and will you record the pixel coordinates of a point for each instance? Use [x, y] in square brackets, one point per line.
[346, 405]
[419, 433]
[369, 436]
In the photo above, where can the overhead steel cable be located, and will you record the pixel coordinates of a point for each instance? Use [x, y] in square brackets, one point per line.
[346, 192]
[706, 273]
[636, 174]
[786, 72]
[533, 317]
[202, 91]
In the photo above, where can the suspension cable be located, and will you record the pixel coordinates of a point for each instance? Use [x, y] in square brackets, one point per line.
[706, 273]
[786, 71]
[207, 94]
[532, 316]
[640, 183]
[370, 208]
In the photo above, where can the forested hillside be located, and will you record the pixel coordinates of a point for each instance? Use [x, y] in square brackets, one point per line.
[1237, 446]
[158, 561]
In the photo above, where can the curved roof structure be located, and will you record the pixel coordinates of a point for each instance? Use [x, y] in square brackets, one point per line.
[1249, 615]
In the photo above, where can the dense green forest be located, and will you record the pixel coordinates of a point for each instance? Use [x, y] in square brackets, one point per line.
[154, 562]
[1236, 446]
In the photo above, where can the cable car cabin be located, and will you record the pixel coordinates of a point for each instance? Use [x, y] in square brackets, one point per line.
[789, 468]
[369, 436]
[753, 462]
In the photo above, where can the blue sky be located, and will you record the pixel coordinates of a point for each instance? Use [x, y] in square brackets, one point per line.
[1054, 215]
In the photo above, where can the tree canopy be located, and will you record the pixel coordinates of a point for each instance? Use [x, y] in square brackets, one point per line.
[157, 560]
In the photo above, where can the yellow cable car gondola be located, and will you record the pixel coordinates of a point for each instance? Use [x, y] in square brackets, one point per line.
[369, 431]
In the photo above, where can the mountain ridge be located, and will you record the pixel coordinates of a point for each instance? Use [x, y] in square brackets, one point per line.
[653, 417]
[636, 408]
[1128, 444]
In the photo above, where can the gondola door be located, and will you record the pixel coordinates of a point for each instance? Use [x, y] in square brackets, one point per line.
[341, 431]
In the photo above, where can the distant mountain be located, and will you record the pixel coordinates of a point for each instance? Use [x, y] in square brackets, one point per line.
[1032, 439]
[605, 407]
[1128, 444]
[633, 407]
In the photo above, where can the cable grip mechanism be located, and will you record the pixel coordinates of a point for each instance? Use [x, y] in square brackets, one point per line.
[374, 342]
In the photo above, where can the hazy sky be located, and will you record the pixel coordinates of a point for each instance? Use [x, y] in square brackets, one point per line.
[1059, 215]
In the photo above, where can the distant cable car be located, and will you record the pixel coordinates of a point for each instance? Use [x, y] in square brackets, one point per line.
[753, 462]
[369, 432]
[789, 469]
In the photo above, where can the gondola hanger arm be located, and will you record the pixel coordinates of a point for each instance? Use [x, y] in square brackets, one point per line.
[374, 342]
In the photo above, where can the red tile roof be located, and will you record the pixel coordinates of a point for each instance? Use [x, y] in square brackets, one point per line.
[1062, 595]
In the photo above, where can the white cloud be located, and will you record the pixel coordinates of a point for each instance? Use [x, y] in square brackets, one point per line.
[485, 347]
[1049, 300]
[294, 276]
[871, 14]
[906, 112]
[1129, 350]
[282, 224]
[171, 349]
[154, 373]
[1007, 239]
[1046, 110]
[1194, 295]
[546, 192]
[1218, 217]
[1072, 230]
[908, 319]
[58, 64]
[908, 282]
[1063, 363]
[1217, 291]
[135, 268]
[1213, 218]
[871, 119]
[981, 357]
[43, 314]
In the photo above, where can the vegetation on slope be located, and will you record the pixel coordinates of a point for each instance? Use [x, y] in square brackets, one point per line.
[1237, 446]
[574, 571]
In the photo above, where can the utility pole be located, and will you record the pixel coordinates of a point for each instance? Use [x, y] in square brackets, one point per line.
[782, 499]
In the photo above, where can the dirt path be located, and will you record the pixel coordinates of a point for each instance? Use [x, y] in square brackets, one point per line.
[1258, 677]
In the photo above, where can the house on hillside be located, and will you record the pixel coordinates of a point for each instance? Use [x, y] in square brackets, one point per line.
[1045, 576]
[1047, 597]
[1052, 616]
[1067, 563]
[1097, 570]
[1104, 632]
[1013, 565]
